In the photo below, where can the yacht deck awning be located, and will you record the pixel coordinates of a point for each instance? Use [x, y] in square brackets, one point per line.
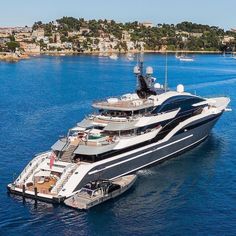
[94, 150]
[85, 123]
[116, 126]
[59, 145]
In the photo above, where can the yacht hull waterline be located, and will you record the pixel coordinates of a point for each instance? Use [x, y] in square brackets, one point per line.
[131, 133]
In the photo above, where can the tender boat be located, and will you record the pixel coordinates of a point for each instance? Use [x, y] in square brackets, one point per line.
[97, 192]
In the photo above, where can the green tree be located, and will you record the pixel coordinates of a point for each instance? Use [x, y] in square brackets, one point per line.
[12, 46]
[12, 38]
[37, 24]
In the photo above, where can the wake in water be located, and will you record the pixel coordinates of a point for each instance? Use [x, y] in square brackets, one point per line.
[146, 172]
[210, 84]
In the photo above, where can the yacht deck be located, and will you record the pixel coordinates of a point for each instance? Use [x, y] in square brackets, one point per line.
[43, 186]
[124, 105]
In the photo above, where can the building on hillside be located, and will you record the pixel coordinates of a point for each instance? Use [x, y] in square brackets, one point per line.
[73, 33]
[55, 23]
[147, 24]
[196, 35]
[130, 45]
[38, 34]
[227, 39]
[52, 46]
[187, 34]
[6, 30]
[67, 45]
[25, 29]
[182, 33]
[140, 45]
[84, 30]
[30, 47]
[4, 40]
[46, 40]
[81, 39]
[126, 37]
[106, 45]
[184, 38]
[56, 37]
[4, 35]
[11, 30]
[23, 37]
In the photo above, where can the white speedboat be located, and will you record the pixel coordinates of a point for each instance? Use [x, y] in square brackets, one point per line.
[113, 57]
[185, 58]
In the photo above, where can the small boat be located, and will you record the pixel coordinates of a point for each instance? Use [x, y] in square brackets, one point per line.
[113, 57]
[185, 58]
[177, 56]
[97, 192]
[130, 57]
[102, 55]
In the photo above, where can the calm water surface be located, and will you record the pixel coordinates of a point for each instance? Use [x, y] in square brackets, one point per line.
[193, 194]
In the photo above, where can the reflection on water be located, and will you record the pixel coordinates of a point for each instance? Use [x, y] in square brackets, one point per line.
[210, 84]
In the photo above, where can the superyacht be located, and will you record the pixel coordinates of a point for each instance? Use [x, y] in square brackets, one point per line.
[124, 135]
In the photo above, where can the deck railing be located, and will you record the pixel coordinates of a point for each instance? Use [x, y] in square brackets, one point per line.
[30, 168]
[68, 171]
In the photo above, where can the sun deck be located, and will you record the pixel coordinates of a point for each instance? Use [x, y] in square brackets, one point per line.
[123, 105]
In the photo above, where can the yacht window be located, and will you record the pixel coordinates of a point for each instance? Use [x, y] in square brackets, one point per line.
[183, 102]
[98, 127]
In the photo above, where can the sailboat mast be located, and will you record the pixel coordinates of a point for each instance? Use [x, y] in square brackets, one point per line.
[166, 74]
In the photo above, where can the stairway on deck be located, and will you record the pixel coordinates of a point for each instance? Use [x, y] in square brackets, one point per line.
[66, 156]
[60, 186]
[67, 173]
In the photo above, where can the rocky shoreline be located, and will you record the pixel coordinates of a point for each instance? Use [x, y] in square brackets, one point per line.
[12, 57]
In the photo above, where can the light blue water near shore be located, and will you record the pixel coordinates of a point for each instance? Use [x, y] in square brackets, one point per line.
[193, 194]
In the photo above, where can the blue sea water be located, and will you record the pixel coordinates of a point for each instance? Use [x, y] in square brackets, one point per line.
[193, 194]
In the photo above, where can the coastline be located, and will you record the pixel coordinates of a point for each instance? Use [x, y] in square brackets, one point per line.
[127, 52]
[13, 57]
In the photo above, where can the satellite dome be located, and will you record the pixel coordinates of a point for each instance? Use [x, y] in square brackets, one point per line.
[157, 85]
[136, 70]
[149, 70]
[180, 88]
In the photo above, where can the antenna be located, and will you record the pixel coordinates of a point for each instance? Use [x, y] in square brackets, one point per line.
[141, 64]
[166, 73]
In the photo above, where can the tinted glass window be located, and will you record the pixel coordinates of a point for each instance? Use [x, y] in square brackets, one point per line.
[183, 102]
